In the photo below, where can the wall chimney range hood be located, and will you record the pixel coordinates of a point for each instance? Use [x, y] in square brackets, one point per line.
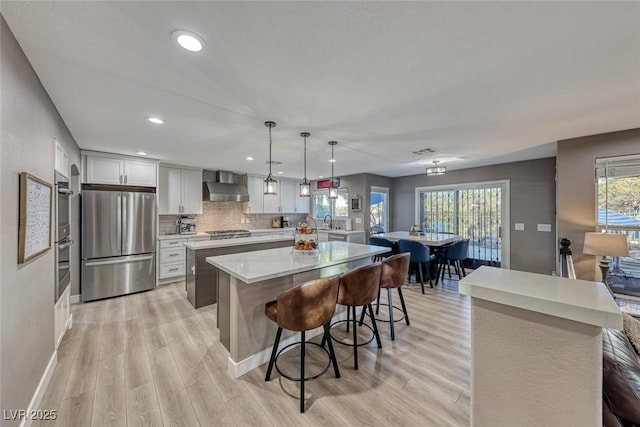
[224, 189]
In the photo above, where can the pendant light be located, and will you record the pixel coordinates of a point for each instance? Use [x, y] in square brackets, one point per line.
[333, 190]
[436, 170]
[270, 184]
[305, 185]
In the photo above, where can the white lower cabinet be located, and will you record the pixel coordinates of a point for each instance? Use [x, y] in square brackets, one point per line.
[173, 257]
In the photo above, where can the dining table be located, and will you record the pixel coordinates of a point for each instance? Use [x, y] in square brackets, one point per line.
[433, 240]
[427, 238]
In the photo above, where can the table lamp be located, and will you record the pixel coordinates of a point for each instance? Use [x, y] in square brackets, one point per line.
[605, 244]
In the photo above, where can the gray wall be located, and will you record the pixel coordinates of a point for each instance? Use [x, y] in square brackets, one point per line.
[361, 184]
[577, 188]
[533, 188]
[30, 121]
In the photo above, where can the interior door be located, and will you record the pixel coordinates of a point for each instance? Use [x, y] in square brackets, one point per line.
[138, 223]
[101, 224]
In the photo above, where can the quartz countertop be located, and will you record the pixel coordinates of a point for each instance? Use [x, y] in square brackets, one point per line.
[181, 236]
[578, 300]
[251, 267]
[341, 231]
[225, 243]
[272, 230]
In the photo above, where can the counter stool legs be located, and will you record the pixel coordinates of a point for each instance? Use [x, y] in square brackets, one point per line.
[273, 354]
[355, 339]
[391, 321]
[332, 354]
[302, 343]
[404, 307]
[373, 323]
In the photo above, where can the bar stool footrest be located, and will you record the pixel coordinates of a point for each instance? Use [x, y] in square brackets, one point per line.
[346, 343]
[394, 317]
[313, 377]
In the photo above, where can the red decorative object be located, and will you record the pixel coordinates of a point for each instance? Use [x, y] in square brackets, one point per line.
[326, 183]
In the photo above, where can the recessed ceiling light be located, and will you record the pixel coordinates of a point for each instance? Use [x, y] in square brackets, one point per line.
[188, 40]
[332, 160]
[320, 176]
[141, 153]
[154, 120]
[280, 172]
[249, 158]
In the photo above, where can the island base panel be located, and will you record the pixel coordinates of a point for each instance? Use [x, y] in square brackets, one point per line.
[533, 369]
[251, 333]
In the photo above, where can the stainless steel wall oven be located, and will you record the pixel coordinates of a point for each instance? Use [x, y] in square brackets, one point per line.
[63, 239]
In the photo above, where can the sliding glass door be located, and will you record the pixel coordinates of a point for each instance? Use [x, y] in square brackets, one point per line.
[475, 211]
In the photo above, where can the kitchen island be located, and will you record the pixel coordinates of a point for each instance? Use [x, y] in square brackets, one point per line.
[202, 278]
[247, 281]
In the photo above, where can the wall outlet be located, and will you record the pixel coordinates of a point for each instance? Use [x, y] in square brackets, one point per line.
[519, 226]
[358, 220]
[544, 227]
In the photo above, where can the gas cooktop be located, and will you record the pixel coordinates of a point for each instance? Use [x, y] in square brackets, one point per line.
[228, 234]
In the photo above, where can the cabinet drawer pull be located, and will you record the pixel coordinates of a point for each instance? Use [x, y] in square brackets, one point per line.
[174, 254]
[174, 243]
[174, 269]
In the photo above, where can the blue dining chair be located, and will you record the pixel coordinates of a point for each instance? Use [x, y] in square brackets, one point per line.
[454, 253]
[379, 241]
[420, 257]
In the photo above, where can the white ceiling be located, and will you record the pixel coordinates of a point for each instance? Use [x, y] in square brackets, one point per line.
[483, 82]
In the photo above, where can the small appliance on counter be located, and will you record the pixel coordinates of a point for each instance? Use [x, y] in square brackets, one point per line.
[186, 225]
[284, 221]
[276, 222]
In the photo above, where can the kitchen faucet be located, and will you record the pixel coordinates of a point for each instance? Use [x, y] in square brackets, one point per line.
[330, 221]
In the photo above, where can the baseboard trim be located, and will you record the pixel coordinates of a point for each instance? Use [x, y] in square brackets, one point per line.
[42, 386]
[238, 369]
[74, 299]
[69, 323]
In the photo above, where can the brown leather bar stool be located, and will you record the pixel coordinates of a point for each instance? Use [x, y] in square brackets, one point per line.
[393, 274]
[305, 307]
[358, 288]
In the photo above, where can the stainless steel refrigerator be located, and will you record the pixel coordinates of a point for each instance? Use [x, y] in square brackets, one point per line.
[118, 240]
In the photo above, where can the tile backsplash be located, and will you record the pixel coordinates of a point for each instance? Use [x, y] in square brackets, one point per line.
[224, 216]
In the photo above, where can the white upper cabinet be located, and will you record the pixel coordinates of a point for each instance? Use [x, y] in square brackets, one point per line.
[119, 171]
[191, 191]
[287, 196]
[62, 160]
[254, 187]
[139, 173]
[179, 191]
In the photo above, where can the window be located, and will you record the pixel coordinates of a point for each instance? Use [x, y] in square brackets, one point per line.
[618, 189]
[322, 205]
[475, 211]
[379, 209]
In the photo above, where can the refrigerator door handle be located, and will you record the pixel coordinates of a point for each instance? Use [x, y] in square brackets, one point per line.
[119, 222]
[122, 260]
[125, 225]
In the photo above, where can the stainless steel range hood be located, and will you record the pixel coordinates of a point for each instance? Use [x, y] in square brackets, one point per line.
[224, 189]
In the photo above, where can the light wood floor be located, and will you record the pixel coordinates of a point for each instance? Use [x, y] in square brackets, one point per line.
[151, 359]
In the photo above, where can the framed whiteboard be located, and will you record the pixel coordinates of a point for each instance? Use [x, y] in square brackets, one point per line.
[34, 235]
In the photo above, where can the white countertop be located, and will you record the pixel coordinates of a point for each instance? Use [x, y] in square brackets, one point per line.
[251, 267]
[429, 239]
[181, 236]
[273, 230]
[344, 232]
[578, 300]
[225, 243]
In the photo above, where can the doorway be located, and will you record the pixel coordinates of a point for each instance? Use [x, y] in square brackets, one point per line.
[379, 209]
[474, 211]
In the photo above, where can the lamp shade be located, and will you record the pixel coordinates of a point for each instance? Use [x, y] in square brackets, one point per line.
[605, 244]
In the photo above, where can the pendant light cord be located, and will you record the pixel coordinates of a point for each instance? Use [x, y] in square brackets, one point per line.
[270, 142]
[305, 159]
